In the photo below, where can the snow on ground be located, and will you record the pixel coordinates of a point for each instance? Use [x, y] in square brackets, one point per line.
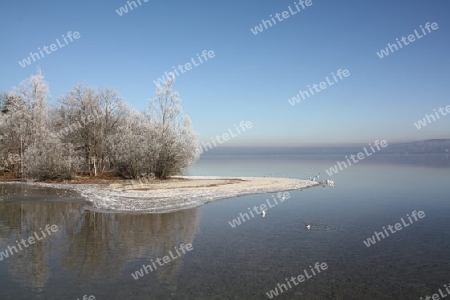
[178, 193]
[190, 192]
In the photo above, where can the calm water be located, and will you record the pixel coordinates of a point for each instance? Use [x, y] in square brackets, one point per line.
[95, 253]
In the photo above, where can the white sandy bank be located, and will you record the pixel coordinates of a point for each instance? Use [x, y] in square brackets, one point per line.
[177, 193]
[184, 192]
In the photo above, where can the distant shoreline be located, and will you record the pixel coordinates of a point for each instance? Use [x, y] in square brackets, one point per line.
[174, 194]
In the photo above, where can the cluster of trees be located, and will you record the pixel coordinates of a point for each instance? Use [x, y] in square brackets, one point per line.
[92, 131]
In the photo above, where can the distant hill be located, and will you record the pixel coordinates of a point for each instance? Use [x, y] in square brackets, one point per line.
[435, 146]
[424, 147]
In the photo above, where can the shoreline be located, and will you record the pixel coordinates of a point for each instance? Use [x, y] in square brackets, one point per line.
[177, 193]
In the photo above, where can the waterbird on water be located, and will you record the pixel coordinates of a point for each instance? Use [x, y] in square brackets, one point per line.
[313, 178]
[306, 224]
[263, 213]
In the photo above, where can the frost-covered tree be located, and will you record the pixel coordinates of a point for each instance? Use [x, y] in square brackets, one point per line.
[33, 93]
[12, 133]
[175, 137]
[91, 131]
[43, 155]
[87, 118]
[24, 120]
[132, 144]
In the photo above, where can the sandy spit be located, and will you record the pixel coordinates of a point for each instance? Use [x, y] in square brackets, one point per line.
[181, 192]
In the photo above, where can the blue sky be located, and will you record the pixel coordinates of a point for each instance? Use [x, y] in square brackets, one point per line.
[251, 76]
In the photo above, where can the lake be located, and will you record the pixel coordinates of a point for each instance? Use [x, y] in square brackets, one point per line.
[95, 253]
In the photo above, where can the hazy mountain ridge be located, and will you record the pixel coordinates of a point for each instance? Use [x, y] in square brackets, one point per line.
[435, 146]
[426, 147]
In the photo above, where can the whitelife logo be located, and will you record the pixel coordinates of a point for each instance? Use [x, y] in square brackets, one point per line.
[166, 259]
[225, 137]
[300, 278]
[281, 196]
[360, 156]
[123, 10]
[31, 240]
[398, 227]
[323, 85]
[411, 38]
[431, 118]
[35, 56]
[284, 15]
[187, 67]
[439, 296]
[86, 297]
